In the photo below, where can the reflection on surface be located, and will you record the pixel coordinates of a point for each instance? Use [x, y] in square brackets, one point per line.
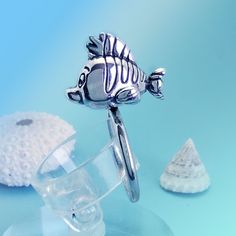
[119, 222]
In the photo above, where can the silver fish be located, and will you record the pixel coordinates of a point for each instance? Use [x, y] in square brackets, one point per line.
[111, 77]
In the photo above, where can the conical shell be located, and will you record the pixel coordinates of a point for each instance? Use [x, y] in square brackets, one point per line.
[185, 173]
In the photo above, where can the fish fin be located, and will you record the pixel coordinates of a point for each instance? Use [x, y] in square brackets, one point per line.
[128, 95]
[108, 45]
[118, 48]
[154, 83]
[95, 47]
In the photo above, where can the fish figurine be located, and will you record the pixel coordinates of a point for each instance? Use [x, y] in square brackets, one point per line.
[111, 77]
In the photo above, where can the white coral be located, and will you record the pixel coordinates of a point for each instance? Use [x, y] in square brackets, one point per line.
[25, 140]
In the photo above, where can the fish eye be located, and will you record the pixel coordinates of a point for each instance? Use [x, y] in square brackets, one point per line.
[81, 80]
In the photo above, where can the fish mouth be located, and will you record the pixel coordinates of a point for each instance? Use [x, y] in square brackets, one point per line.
[74, 95]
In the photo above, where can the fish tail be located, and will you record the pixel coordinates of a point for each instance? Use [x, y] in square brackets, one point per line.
[154, 83]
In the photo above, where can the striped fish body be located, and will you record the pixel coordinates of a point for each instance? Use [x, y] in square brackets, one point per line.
[113, 81]
[121, 73]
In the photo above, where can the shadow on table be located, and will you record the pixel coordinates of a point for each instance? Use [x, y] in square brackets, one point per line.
[187, 195]
[6, 190]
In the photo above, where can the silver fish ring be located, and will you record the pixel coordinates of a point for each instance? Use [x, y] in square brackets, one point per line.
[111, 78]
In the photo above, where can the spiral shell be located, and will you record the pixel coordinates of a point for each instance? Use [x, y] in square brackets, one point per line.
[185, 173]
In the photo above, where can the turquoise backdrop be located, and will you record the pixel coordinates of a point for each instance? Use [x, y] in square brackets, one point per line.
[42, 50]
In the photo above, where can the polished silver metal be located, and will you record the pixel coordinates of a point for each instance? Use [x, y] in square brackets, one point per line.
[123, 153]
[109, 79]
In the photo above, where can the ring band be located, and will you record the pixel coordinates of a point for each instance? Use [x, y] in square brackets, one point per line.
[123, 154]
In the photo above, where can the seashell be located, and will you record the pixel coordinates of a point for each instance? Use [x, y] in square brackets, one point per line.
[185, 173]
[25, 140]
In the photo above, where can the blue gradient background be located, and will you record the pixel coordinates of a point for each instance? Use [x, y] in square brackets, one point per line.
[42, 50]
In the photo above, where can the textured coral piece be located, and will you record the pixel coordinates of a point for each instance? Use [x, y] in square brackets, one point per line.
[25, 140]
[185, 173]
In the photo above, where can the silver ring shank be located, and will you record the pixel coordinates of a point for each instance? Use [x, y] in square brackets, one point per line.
[123, 154]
